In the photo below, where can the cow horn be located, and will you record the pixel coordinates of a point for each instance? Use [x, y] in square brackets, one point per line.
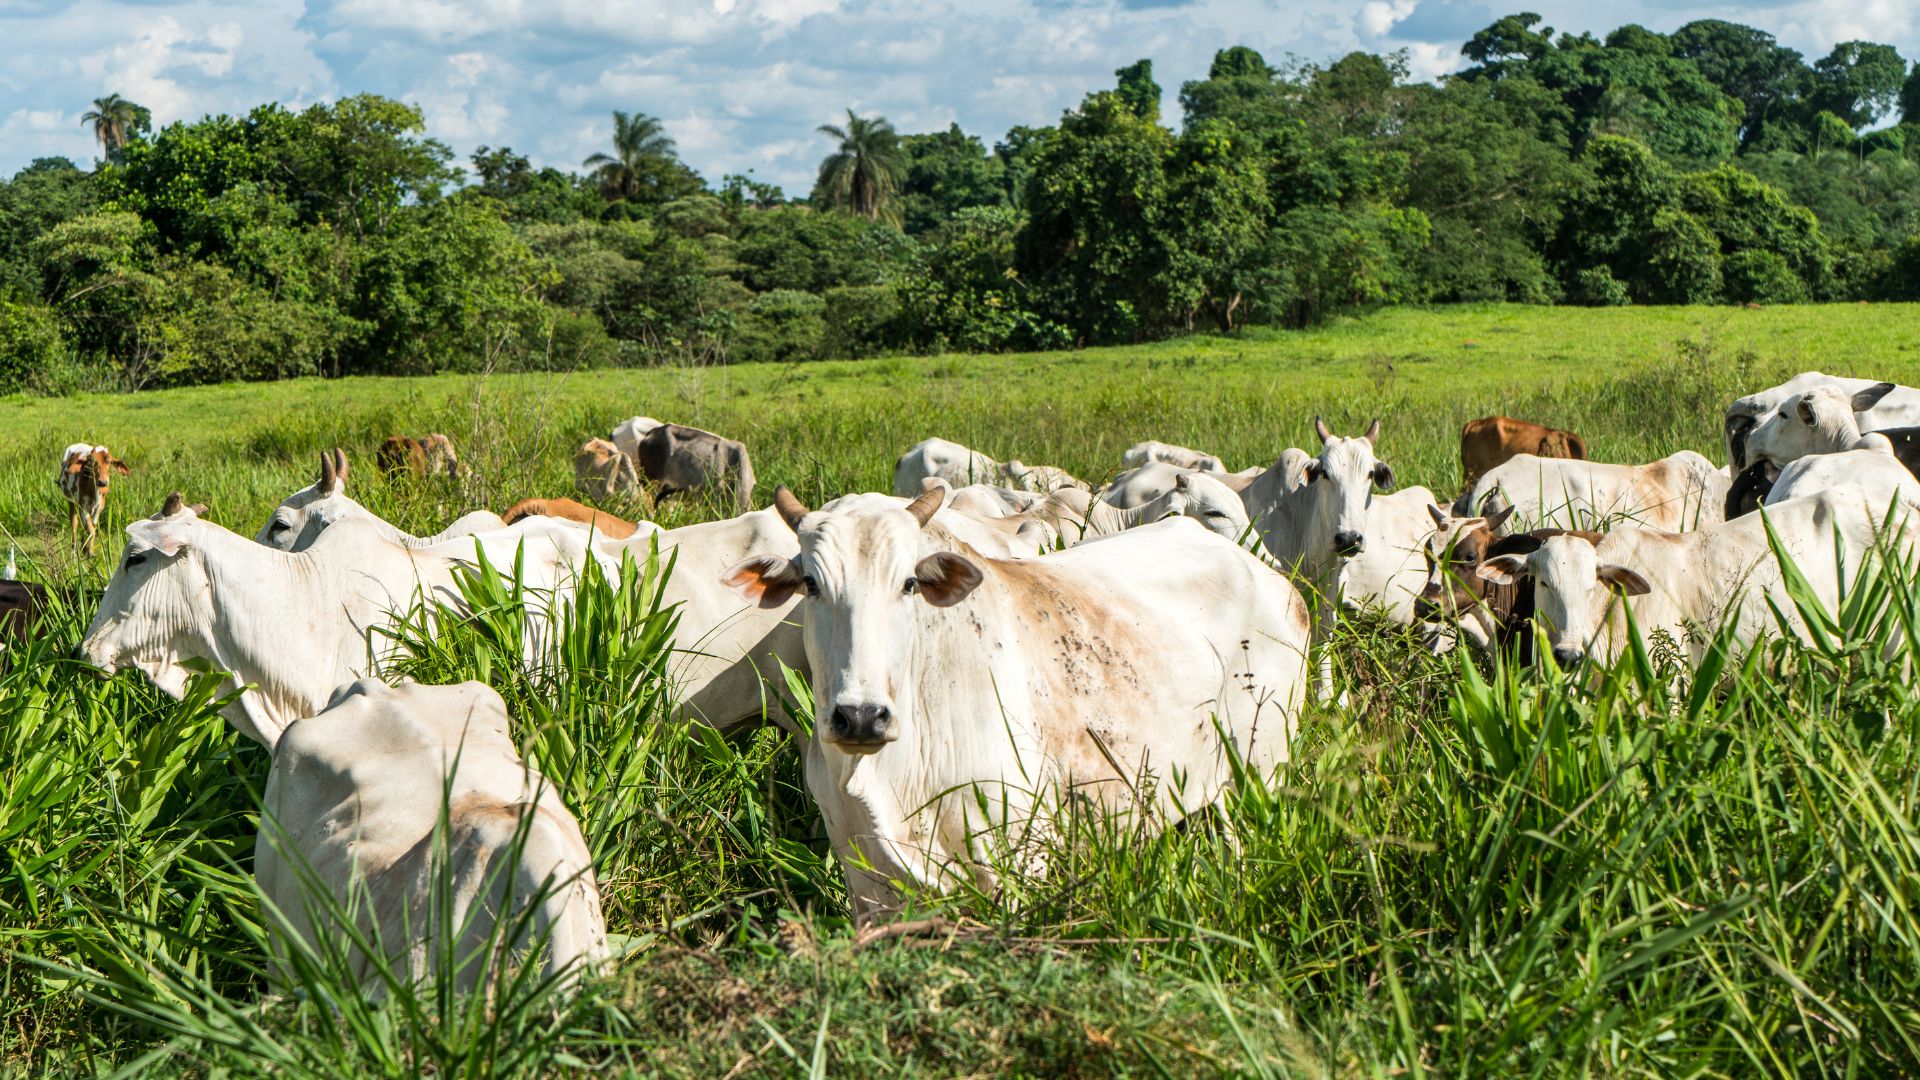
[1373, 430]
[174, 504]
[327, 475]
[927, 504]
[791, 509]
[339, 467]
[1320, 429]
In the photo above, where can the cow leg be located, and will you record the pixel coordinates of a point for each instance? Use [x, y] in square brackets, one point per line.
[93, 530]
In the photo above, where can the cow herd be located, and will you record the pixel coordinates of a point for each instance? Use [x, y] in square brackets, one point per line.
[982, 642]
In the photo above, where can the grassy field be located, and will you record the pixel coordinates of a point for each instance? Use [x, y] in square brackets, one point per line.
[1468, 871]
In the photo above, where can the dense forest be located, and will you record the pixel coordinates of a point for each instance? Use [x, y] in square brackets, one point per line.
[1709, 165]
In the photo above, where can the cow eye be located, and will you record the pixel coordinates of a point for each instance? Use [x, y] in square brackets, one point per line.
[1217, 513]
[912, 586]
[280, 527]
[135, 558]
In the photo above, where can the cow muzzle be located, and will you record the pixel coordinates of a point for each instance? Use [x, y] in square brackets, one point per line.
[1348, 542]
[1568, 657]
[861, 727]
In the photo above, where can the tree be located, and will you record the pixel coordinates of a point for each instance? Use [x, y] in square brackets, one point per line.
[1858, 81]
[948, 171]
[865, 174]
[1511, 40]
[115, 120]
[1910, 97]
[1138, 90]
[1766, 78]
[643, 168]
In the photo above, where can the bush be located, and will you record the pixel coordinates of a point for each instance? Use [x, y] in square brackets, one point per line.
[30, 344]
[1761, 277]
[860, 319]
[1597, 287]
[785, 324]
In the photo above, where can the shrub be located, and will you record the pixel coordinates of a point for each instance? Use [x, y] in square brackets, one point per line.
[1597, 287]
[784, 324]
[1761, 277]
[860, 319]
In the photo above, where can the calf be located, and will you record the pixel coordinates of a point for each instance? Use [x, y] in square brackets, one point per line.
[677, 458]
[601, 471]
[428, 455]
[85, 474]
[1491, 440]
[389, 792]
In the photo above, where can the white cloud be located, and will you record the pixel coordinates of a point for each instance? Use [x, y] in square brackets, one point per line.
[740, 84]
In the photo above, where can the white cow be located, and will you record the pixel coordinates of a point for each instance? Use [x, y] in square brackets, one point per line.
[1689, 584]
[1900, 408]
[1197, 495]
[1390, 573]
[1820, 420]
[1142, 485]
[1678, 492]
[1142, 453]
[1876, 472]
[1312, 514]
[302, 515]
[348, 825]
[959, 695]
[292, 626]
[961, 467]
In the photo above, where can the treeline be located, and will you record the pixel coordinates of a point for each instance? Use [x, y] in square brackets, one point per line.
[1707, 165]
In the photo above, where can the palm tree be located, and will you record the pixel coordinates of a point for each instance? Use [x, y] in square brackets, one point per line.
[642, 155]
[864, 176]
[114, 120]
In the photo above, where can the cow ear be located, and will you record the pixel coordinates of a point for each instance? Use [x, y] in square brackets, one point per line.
[1524, 544]
[1504, 570]
[1868, 398]
[1624, 580]
[1499, 517]
[169, 539]
[946, 579]
[1438, 515]
[1805, 409]
[120, 465]
[1382, 474]
[1313, 471]
[767, 580]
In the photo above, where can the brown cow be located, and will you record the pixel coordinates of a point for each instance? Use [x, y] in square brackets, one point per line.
[601, 471]
[603, 523]
[83, 478]
[428, 455]
[1491, 440]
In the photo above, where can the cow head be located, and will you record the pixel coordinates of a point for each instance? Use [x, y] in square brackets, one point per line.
[1349, 473]
[93, 465]
[155, 594]
[1821, 420]
[867, 570]
[1211, 503]
[299, 520]
[1573, 590]
[1453, 553]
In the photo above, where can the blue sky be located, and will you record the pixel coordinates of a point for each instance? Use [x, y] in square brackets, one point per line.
[741, 84]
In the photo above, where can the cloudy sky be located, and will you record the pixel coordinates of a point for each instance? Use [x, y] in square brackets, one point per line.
[740, 83]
